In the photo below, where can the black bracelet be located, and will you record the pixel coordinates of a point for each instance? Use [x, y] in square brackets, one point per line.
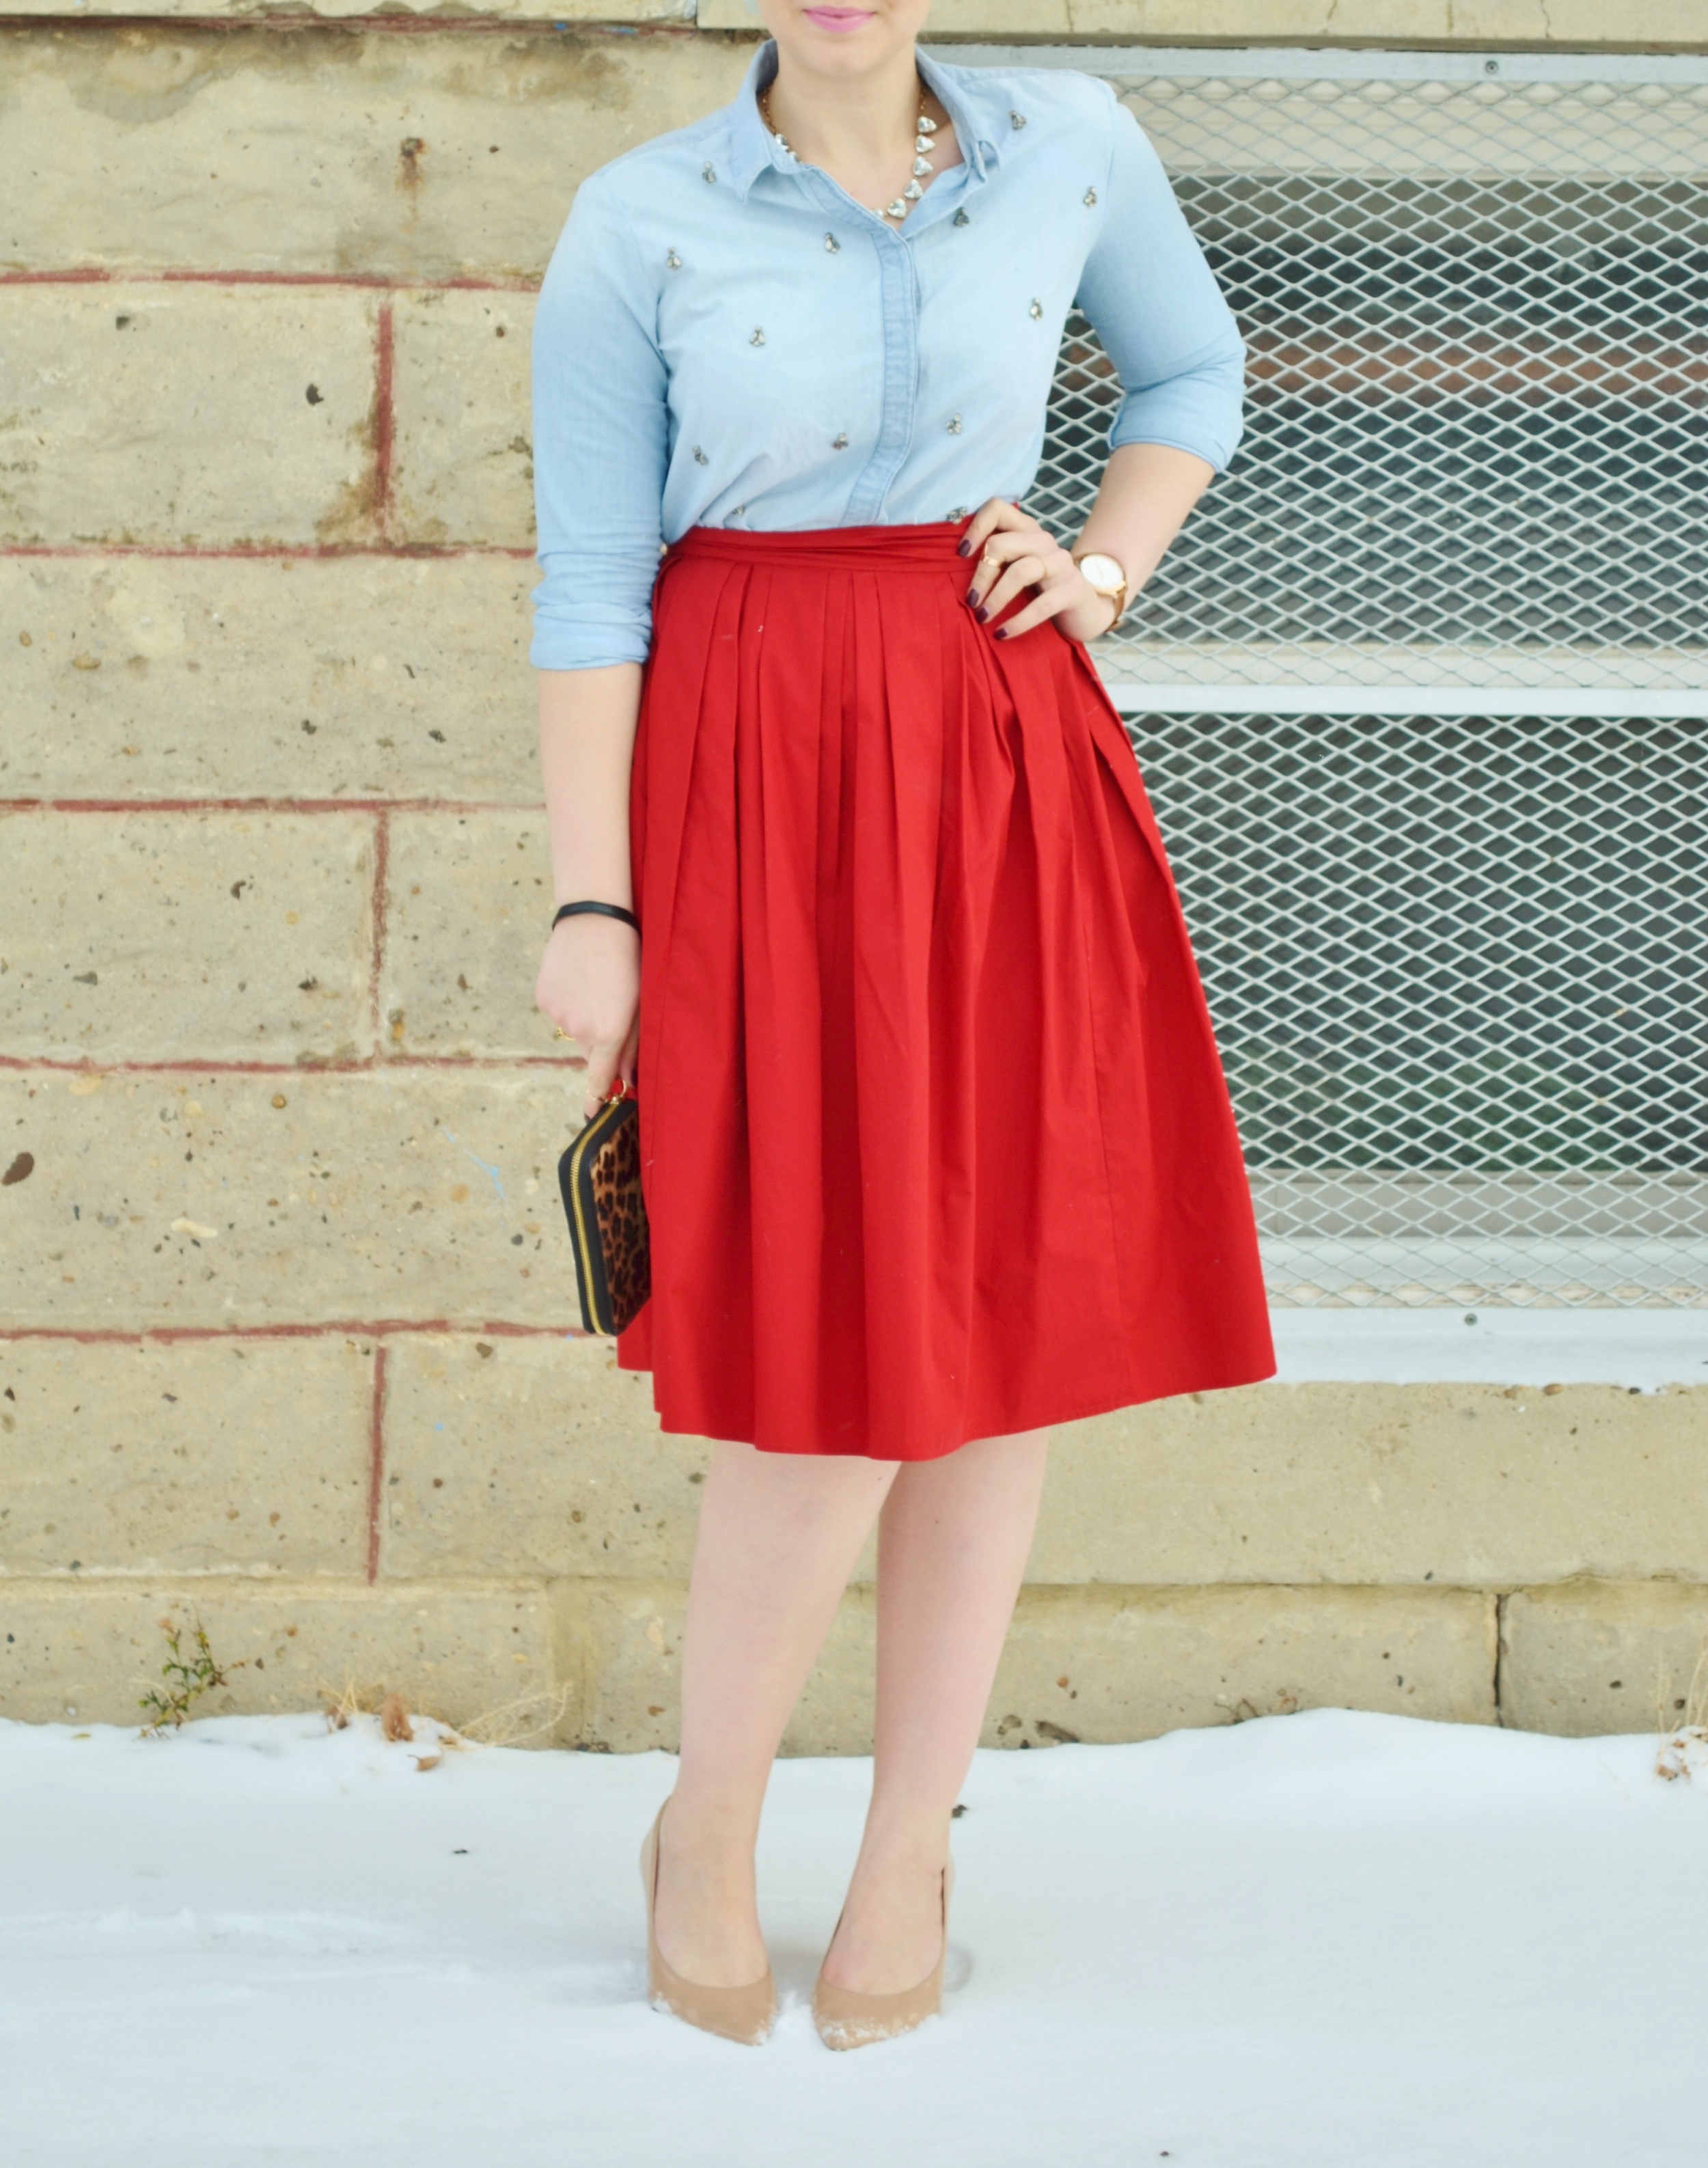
[604, 911]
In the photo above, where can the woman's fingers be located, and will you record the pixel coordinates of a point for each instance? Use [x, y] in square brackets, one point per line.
[1014, 554]
[1027, 571]
[1078, 611]
[1051, 603]
[995, 512]
[603, 1062]
[1002, 550]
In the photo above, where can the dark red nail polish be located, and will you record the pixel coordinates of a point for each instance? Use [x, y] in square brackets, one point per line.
[964, 549]
[1002, 632]
[983, 615]
[972, 598]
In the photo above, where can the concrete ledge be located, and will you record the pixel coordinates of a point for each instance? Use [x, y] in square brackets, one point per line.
[339, 151]
[288, 678]
[492, 1456]
[1541, 23]
[534, 1457]
[1473, 1485]
[117, 394]
[1640, 1349]
[222, 935]
[661, 13]
[1594, 1657]
[202, 1457]
[89, 1652]
[1090, 1664]
[222, 1200]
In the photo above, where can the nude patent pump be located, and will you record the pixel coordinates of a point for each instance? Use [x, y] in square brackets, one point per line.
[848, 2020]
[743, 2014]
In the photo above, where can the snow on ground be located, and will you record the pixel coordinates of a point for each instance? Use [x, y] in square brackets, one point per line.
[1325, 1941]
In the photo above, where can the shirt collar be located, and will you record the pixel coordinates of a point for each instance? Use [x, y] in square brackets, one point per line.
[753, 147]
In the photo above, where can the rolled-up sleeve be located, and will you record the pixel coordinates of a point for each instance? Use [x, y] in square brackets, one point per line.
[1159, 313]
[600, 440]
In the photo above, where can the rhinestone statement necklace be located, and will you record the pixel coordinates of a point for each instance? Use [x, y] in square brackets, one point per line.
[924, 149]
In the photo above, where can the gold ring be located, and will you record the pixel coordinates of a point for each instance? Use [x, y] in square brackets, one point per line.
[559, 1033]
[990, 557]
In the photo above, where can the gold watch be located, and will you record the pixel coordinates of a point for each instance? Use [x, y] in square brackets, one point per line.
[1104, 575]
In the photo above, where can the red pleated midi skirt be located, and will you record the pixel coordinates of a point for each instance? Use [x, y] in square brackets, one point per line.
[935, 1138]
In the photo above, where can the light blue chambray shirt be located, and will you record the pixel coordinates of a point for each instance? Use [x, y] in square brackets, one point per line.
[725, 338]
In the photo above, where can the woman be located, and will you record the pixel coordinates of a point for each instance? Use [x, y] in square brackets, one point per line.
[937, 1149]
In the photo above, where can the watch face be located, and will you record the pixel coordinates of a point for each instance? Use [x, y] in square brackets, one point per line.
[1103, 572]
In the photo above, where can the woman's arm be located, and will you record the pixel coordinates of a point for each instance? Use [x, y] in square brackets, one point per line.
[600, 431]
[1154, 301]
[589, 982]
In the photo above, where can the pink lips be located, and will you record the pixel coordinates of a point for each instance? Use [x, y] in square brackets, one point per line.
[838, 18]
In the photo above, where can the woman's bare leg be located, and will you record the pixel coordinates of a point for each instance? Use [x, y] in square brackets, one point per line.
[951, 1550]
[779, 1535]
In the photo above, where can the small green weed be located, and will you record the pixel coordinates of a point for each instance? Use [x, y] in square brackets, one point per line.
[187, 1678]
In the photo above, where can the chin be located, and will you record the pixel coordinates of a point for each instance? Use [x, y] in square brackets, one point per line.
[833, 34]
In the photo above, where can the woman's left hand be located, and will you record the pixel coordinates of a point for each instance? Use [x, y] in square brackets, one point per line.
[1015, 553]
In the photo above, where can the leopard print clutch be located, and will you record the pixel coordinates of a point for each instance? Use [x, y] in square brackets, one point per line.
[599, 1177]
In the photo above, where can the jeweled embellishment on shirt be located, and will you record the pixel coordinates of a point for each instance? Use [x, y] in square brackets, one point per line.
[961, 219]
[758, 338]
[700, 459]
[1089, 198]
[1016, 119]
[839, 443]
[832, 246]
[672, 261]
[953, 425]
[709, 172]
[1035, 310]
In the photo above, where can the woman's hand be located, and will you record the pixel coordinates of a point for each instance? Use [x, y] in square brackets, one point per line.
[589, 984]
[1015, 553]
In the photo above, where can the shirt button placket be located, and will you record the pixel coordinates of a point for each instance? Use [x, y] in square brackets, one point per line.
[899, 304]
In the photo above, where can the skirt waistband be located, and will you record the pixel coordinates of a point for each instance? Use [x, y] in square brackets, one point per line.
[839, 548]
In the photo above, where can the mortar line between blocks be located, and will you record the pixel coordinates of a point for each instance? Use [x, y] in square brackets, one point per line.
[387, 282]
[384, 370]
[545, 26]
[25, 1064]
[364, 806]
[378, 903]
[344, 1328]
[1502, 1598]
[268, 553]
[376, 1460]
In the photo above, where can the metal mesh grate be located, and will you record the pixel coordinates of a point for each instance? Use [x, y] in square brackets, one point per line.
[1478, 348]
[1459, 971]
[1457, 961]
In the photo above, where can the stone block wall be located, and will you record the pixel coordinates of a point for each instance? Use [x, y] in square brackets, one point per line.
[285, 1303]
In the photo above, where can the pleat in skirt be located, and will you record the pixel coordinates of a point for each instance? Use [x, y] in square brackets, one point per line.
[936, 1144]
